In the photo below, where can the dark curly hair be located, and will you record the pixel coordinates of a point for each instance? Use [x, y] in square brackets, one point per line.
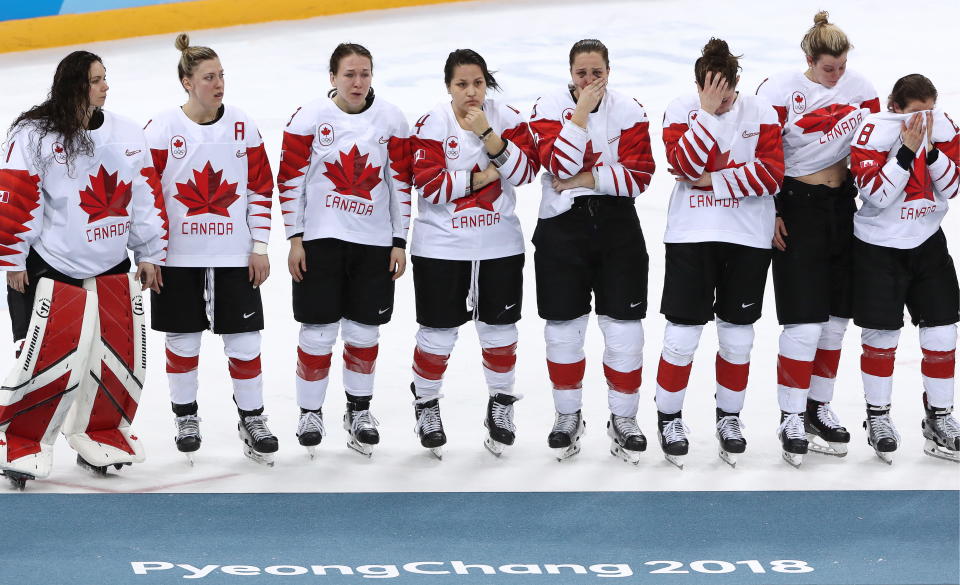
[63, 112]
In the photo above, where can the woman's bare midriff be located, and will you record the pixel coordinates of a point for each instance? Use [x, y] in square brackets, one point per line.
[832, 176]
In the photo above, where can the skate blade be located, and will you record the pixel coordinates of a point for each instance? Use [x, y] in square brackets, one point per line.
[794, 459]
[436, 452]
[97, 470]
[361, 448]
[728, 458]
[675, 460]
[494, 447]
[932, 449]
[626, 455]
[311, 451]
[818, 445]
[267, 459]
[17, 480]
[564, 453]
[189, 457]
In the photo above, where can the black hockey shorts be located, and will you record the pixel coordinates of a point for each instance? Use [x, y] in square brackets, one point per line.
[20, 305]
[442, 288]
[595, 247]
[181, 306]
[707, 278]
[813, 278]
[344, 279]
[923, 278]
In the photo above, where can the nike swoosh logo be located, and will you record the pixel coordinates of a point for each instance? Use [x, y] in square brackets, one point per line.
[248, 315]
[382, 311]
[635, 305]
[131, 152]
[382, 141]
[508, 307]
[745, 305]
[241, 153]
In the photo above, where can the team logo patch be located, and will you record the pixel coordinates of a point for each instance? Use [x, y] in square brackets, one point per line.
[799, 102]
[59, 153]
[43, 308]
[325, 134]
[452, 147]
[691, 116]
[138, 305]
[178, 146]
[567, 114]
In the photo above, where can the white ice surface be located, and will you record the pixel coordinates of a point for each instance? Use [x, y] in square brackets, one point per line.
[272, 68]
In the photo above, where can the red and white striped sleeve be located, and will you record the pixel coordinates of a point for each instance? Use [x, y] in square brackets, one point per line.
[687, 140]
[431, 177]
[259, 185]
[149, 226]
[772, 93]
[295, 153]
[560, 143]
[399, 179]
[945, 171]
[157, 142]
[631, 174]
[760, 177]
[521, 162]
[21, 206]
[879, 177]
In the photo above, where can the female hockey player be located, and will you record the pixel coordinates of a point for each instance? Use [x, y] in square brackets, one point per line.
[77, 189]
[345, 194]
[905, 162]
[726, 153]
[217, 186]
[469, 154]
[595, 145]
[812, 268]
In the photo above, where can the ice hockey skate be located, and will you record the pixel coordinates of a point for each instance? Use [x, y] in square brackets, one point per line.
[793, 438]
[881, 434]
[259, 444]
[824, 432]
[98, 470]
[17, 480]
[942, 434]
[730, 435]
[564, 438]
[626, 439]
[310, 430]
[188, 435]
[501, 432]
[673, 437]
[429, 426]
[361, 426]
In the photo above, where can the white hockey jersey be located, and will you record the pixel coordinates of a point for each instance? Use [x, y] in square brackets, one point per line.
[217, 186]
[346, 176]
[81, 217]
[901, 209]
[453, 222]
[743, 153]
[818, 122]
[615, 147]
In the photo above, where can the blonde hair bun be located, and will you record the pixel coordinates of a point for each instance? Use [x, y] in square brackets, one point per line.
[183, 42]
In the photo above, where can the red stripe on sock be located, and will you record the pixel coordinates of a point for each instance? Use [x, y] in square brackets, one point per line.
[938, 364]
[244, 369]
[312, 367]
[673, 378]
[732, 376]
[566, 376]
[500, 359]
[623, 382]
[429, 366]
[180, 364]
[878, 361]
[362, 360]
[826, 363]
[794, 373]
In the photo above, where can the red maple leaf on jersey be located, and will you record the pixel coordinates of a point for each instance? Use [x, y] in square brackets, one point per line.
[482, 199]
[452, 143]
[919, 186]
[207, 193]
[178, 143]
[717, 160]
[824, 119]
[325, 131]
[105, 196]
[57, 148]
[798, 99]
[590, 158]
[351, 175]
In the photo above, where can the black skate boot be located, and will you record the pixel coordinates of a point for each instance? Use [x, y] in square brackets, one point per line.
[942, 433]
[564, 438]
[881, 434]
[626, 438]
[259, 444]
[429, 426]
[310, 430]
[361, 425]
[673, 437]
[188, 429]
[730, 435]
[793, 438]
[825, 434]
[501, 432]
